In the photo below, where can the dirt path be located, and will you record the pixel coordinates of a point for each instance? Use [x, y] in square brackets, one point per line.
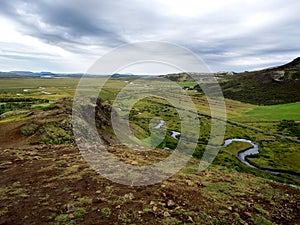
[10, 135]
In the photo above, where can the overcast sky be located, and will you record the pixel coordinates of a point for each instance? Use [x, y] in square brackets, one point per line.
[69, 35]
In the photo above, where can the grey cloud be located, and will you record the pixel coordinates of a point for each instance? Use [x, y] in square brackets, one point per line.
[67, 23]
[219, 37]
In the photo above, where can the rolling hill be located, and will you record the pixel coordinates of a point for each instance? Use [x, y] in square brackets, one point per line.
[271, 86]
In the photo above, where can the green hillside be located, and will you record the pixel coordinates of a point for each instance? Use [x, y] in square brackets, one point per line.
[290, 111]
[272, 86]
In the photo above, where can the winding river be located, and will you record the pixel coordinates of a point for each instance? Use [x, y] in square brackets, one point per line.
[161, 123]
[254, 151]
[242, 155]
[174, 133]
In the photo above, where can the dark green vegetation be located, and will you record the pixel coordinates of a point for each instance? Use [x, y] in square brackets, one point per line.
[267, 87]
[10, 104]
[44, 179]
[289, 127]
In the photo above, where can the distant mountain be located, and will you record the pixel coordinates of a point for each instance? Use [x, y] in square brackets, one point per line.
[38, 74]
[117, 75]
[275, 85]
[45, 74]
[21, 72]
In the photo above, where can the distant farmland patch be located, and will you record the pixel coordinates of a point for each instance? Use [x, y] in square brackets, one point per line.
[289, 111]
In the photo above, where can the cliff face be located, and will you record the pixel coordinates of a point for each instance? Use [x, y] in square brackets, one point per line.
[289, 72]
[103, 113]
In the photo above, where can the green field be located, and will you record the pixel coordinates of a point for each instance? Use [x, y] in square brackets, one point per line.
[47, 88]
[290, 111]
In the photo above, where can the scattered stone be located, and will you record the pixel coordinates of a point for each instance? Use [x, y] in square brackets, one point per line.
[190, 219]
[248, 214]
[70, 208]
[152, 202]
[134, 163]
[71, 216]
[154, 208]
[200, 184]
[170, 203]
[230, 208]
[118, 206]
[166, 214]
[31, 153]
[189, 182]
[243, 222]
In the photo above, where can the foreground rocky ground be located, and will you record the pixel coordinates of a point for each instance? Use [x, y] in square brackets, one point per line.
[48, 184]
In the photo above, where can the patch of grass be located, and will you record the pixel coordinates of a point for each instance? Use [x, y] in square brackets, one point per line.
[29, 129]
[79, 213]
[17, 190]
[84, 201]
[128, 197]
[125, 217]
[64, 219]
[3, 193]
[56, 134]
[278, 155]
[3, 211]
[70, 218]
[169, 221]
[235, 147]
[105, 212]
[15, 118]
[21, 192]
[45, 106]
[221, 189]
[261, 210]
[258, 220]
[288, 111]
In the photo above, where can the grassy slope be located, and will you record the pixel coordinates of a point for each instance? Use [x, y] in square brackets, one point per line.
[246, 88]
[277, 85]
[289, 111]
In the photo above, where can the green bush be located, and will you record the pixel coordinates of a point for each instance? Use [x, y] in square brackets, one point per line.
[28, 129]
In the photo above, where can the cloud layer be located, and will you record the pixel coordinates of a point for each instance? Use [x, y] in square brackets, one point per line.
[66, 36]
